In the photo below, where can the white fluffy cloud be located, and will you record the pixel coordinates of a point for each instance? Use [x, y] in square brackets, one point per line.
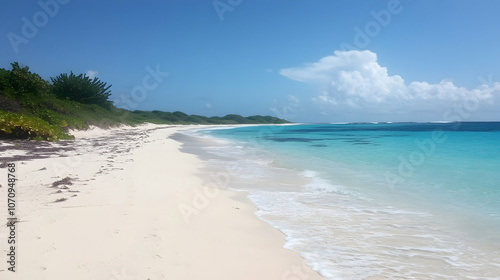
[92, 74]
[355, 80]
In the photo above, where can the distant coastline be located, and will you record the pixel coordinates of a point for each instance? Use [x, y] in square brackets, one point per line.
[33, 108]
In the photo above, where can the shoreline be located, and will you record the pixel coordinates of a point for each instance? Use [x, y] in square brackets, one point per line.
[127, 203]
[344, 220]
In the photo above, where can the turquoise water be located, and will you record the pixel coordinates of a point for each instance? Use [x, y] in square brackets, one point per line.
[391, 200]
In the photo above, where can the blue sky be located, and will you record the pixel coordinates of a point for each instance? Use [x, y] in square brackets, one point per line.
[307, 61]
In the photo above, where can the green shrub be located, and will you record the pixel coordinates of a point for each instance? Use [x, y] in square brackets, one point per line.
[81, 89]
[235, 118]
[23, 82]
[4, 81]
[8, 104]
[19, 126]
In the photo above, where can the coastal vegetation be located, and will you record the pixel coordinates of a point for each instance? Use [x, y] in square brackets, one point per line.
[33, 108]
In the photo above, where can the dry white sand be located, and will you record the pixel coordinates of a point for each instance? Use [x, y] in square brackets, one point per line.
[132, 207]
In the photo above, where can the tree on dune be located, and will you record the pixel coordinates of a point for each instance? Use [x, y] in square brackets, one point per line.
[82, 89]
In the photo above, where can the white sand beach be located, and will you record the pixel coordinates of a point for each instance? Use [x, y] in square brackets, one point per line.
[127, 204]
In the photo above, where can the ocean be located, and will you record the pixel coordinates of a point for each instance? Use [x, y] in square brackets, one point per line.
[371, 200]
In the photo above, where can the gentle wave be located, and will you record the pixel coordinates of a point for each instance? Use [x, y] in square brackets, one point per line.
[342, 219]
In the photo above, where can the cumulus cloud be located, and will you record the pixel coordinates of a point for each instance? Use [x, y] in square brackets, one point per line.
[92, 74]
[355, 80]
